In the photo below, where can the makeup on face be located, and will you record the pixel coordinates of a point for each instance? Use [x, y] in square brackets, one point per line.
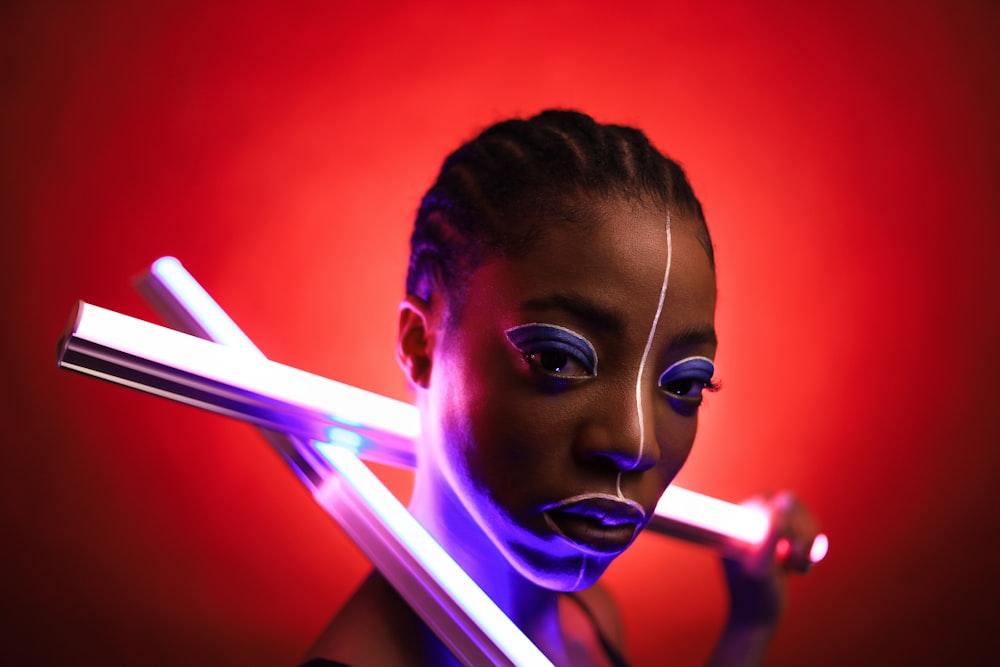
[554, 350]
[602, 524]
[685, 380]
[596, 523]
[649, 344]
[535, 397]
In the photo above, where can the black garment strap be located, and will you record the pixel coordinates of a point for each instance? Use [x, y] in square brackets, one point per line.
[614, 655]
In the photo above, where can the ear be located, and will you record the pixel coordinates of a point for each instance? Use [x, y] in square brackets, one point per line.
[415, 340]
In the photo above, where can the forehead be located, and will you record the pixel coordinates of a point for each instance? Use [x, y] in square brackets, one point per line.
[612, 264]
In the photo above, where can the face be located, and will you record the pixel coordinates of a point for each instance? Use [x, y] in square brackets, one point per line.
[564, 400]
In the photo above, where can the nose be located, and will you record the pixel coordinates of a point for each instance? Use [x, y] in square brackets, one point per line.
[619, 433]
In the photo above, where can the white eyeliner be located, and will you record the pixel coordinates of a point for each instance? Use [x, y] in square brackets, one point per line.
[578, 336]
[684, 361]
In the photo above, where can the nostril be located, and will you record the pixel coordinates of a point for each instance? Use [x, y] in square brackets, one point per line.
[605, 463]
[621, 460]
[612, 445]
[641, 463]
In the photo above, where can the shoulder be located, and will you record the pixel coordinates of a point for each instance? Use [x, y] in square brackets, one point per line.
[604, 611]
[357, 634]
[592, 626]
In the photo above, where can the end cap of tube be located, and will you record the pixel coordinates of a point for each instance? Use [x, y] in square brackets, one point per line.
[71, 327]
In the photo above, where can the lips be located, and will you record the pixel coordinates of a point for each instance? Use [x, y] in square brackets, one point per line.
[597, 523]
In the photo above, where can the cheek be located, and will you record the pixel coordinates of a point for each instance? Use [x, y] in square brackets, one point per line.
[513, 431]
[521, 448]
[675, 435]
[450, 426]
[507, 441]
[475, 425]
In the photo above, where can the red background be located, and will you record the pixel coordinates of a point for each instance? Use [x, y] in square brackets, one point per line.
[846, 155]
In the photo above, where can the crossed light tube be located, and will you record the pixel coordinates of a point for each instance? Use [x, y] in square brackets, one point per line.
[321, 427]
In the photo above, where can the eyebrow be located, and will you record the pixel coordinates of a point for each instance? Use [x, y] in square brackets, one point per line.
[579, 307]
[608, 320]
[695, 336]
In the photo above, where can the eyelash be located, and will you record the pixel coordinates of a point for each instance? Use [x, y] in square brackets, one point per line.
[564, 347]
[696, 375]
[709, 386]
[537, 341]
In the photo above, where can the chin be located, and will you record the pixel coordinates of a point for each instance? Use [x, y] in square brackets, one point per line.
[551, 561]
[557, 569]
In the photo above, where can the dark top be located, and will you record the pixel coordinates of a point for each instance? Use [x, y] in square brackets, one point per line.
[614, 655]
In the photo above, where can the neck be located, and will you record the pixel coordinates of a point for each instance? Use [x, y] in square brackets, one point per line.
[532, 608]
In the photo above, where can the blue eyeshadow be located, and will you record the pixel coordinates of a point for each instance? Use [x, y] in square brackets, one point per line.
[535, 337]
[700, 369]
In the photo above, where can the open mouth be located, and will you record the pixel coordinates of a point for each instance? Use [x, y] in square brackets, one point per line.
[597, 523]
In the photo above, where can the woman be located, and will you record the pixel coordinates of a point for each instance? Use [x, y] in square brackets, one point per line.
[558, 330]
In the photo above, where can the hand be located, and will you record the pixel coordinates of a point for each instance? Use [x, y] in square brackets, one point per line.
[756, 577]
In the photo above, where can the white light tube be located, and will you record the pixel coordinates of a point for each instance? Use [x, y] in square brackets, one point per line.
[185, 305]
[706, 519]
[174, 365]
[819, 548]
[178, 297]
[237, 383]
[430, 580]
[433, 584]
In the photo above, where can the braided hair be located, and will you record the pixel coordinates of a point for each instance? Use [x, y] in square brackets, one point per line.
[493, 191]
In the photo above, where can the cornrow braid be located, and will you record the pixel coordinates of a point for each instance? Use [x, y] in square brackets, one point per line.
[535, 168]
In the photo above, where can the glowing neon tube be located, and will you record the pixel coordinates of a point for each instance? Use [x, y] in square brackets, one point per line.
[181, 300]
[167, 363]
[707, 520]
[236, 383]
[427, 577]
[433, 584]
[374, 427]
[115, 347]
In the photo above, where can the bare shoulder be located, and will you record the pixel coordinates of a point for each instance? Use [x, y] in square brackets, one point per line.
[375, 627]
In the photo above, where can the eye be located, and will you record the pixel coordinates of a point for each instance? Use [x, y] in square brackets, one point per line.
[557, 362]
[554, 351]
[685, 380]
[684, 388]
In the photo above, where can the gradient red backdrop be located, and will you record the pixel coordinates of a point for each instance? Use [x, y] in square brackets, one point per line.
[846, 154]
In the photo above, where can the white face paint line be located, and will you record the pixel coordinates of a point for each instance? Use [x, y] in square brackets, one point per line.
[583, 569]
[598, 496]
[649, 345]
